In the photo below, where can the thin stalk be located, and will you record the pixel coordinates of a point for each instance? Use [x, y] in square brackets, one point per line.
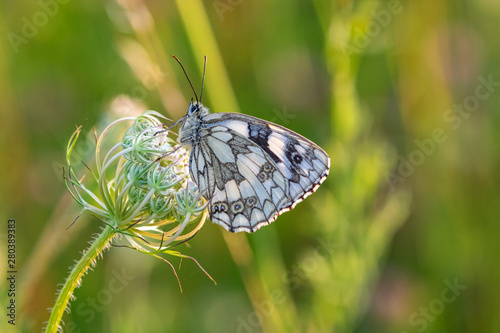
[73, 280]
[203, 42]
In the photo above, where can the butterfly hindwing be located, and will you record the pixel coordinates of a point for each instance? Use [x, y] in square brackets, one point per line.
[247, 190]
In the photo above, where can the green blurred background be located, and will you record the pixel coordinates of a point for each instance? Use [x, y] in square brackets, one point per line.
[402, 237]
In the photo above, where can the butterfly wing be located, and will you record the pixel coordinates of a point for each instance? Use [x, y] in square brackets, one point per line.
[303, 163]
[252, 170]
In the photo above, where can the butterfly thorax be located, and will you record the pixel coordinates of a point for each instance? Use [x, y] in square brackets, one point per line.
[192, 123]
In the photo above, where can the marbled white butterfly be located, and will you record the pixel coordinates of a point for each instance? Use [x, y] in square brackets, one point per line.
[248, 169]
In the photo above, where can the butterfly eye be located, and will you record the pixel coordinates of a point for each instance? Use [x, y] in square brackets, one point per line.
[192, 109]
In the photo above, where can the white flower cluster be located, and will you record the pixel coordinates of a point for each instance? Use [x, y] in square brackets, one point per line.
[145, 191]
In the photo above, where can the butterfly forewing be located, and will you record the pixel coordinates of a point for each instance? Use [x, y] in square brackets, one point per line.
[303, 163]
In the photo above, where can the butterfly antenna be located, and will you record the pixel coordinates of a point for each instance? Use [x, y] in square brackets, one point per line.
[187, 77]
[203, 80]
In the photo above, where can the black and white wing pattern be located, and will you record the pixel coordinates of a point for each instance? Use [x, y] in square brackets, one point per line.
[250, 170]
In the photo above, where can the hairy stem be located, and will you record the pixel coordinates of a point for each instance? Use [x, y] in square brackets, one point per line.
[75, 275]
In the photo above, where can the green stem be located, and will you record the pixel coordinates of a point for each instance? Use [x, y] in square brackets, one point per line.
[76, 274]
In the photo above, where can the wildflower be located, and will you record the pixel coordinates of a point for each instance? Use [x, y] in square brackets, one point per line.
[141, 190]
[144, 189]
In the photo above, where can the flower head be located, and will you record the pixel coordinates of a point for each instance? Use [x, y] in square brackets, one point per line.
[144, 188]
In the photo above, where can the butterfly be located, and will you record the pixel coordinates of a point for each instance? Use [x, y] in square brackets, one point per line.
[250, 170]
